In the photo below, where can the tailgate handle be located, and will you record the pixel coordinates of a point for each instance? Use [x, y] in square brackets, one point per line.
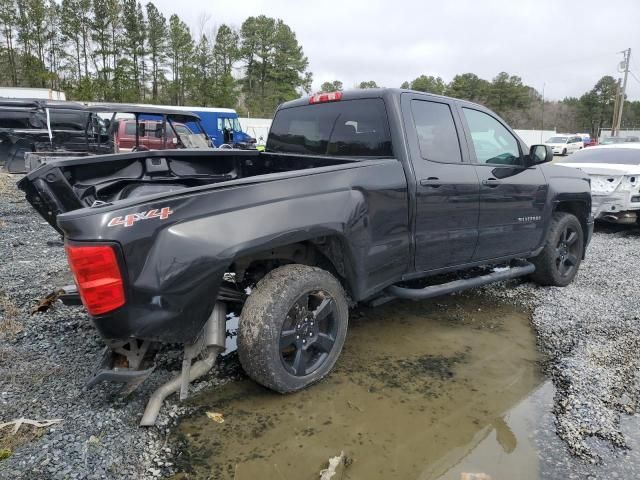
[491, 182]
[431, 182]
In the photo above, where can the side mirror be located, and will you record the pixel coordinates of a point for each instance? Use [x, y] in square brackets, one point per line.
[540, 154]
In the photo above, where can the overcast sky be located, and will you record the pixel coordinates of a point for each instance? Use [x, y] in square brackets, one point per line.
[565, 45]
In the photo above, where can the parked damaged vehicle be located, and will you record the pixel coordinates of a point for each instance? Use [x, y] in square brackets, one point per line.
[360, 196]
[47, 126]
[115, 127]
[33, 132]
[614, 172]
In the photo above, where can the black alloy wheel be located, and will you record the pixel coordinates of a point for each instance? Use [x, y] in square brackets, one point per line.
[567, 251]
[308, 333]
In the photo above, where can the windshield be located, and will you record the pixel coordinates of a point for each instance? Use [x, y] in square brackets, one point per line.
[194, 140]
[229, 124]
[344, 128]
[620, 156]
[557, 140]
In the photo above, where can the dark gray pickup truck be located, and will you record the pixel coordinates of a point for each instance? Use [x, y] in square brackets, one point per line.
[360, 196]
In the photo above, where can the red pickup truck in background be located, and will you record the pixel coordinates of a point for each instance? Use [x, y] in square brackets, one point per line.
[150, 137]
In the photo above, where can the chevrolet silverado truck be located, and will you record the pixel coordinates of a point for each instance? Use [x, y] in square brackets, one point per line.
[360, 196]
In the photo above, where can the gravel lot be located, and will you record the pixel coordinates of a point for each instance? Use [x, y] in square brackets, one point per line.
[590, 331]
[45, 359]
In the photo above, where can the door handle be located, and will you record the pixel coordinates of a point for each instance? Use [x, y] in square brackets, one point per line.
[431, 182]
[491, 182]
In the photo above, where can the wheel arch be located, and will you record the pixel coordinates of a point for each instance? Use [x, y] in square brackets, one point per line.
[581, 209]
[329, 252]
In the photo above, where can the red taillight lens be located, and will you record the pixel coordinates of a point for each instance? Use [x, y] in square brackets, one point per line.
[97, 274]
[325, 97]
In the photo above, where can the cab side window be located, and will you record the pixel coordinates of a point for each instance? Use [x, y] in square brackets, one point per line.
[492, 142]
[437, 134]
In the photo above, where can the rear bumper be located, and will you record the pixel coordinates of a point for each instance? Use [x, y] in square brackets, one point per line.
[618, 207]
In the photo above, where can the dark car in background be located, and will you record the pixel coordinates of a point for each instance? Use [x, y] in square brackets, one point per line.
[47, 125]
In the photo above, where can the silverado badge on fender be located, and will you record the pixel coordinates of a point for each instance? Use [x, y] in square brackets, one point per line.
[129, 220]
[535, 218]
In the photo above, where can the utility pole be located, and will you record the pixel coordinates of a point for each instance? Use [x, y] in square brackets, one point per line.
[542, 116]
[616, 107]
[627, 58]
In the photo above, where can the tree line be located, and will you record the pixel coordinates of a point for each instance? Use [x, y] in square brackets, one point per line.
[122, 51]
[522, 106]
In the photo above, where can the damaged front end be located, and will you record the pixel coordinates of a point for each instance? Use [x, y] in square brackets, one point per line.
[616, 198]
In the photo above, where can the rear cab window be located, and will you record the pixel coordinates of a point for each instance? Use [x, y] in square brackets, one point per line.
[437, 135]
[344, 128]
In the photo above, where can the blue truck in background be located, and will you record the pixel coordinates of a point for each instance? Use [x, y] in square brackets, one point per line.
[221, 124]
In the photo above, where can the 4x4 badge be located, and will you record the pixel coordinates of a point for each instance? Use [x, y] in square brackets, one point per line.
[129, 220]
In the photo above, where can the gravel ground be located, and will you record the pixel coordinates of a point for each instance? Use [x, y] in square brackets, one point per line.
[45, 360]
[589, 330]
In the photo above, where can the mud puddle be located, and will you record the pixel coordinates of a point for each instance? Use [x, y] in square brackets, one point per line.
[423, 391]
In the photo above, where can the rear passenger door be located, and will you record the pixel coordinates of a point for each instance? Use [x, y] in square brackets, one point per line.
[447, 188]
[512, 195]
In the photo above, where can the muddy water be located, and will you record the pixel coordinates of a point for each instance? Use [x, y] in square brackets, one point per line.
[422, 391]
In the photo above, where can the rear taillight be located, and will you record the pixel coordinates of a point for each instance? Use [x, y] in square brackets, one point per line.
[97, 274]
[325, 97]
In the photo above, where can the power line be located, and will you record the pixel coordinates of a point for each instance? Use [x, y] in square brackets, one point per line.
[634, 76]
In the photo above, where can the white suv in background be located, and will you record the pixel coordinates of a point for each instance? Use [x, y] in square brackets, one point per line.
[565, 144]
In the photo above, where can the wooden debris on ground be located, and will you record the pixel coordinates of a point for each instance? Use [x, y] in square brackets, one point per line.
[46, 302]
[474, 476]
[216, 417]
[25, 421]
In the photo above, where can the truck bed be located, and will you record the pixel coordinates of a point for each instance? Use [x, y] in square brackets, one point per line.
[71, 184]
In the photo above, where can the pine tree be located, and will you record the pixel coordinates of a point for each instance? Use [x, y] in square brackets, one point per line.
[226, 53]
[276, 68]
[156, 46]
[8, 21]
[180, 47]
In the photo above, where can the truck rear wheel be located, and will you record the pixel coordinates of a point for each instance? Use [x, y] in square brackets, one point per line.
[559, 261]
[292, 327]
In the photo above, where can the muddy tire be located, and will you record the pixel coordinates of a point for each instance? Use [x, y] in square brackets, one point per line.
[564, 152]
[292, 327]
[560, 259]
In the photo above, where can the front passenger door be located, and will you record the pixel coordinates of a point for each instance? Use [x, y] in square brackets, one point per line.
[512, 195]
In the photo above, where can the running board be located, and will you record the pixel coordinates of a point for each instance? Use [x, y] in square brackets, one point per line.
[523, 268]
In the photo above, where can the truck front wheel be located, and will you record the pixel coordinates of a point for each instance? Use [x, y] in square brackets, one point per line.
[292, 327]
[559, 261]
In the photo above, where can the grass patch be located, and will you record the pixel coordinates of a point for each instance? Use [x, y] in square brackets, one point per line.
[10, 441]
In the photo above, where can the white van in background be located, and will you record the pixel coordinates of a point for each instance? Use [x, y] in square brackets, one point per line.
[564, 144]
